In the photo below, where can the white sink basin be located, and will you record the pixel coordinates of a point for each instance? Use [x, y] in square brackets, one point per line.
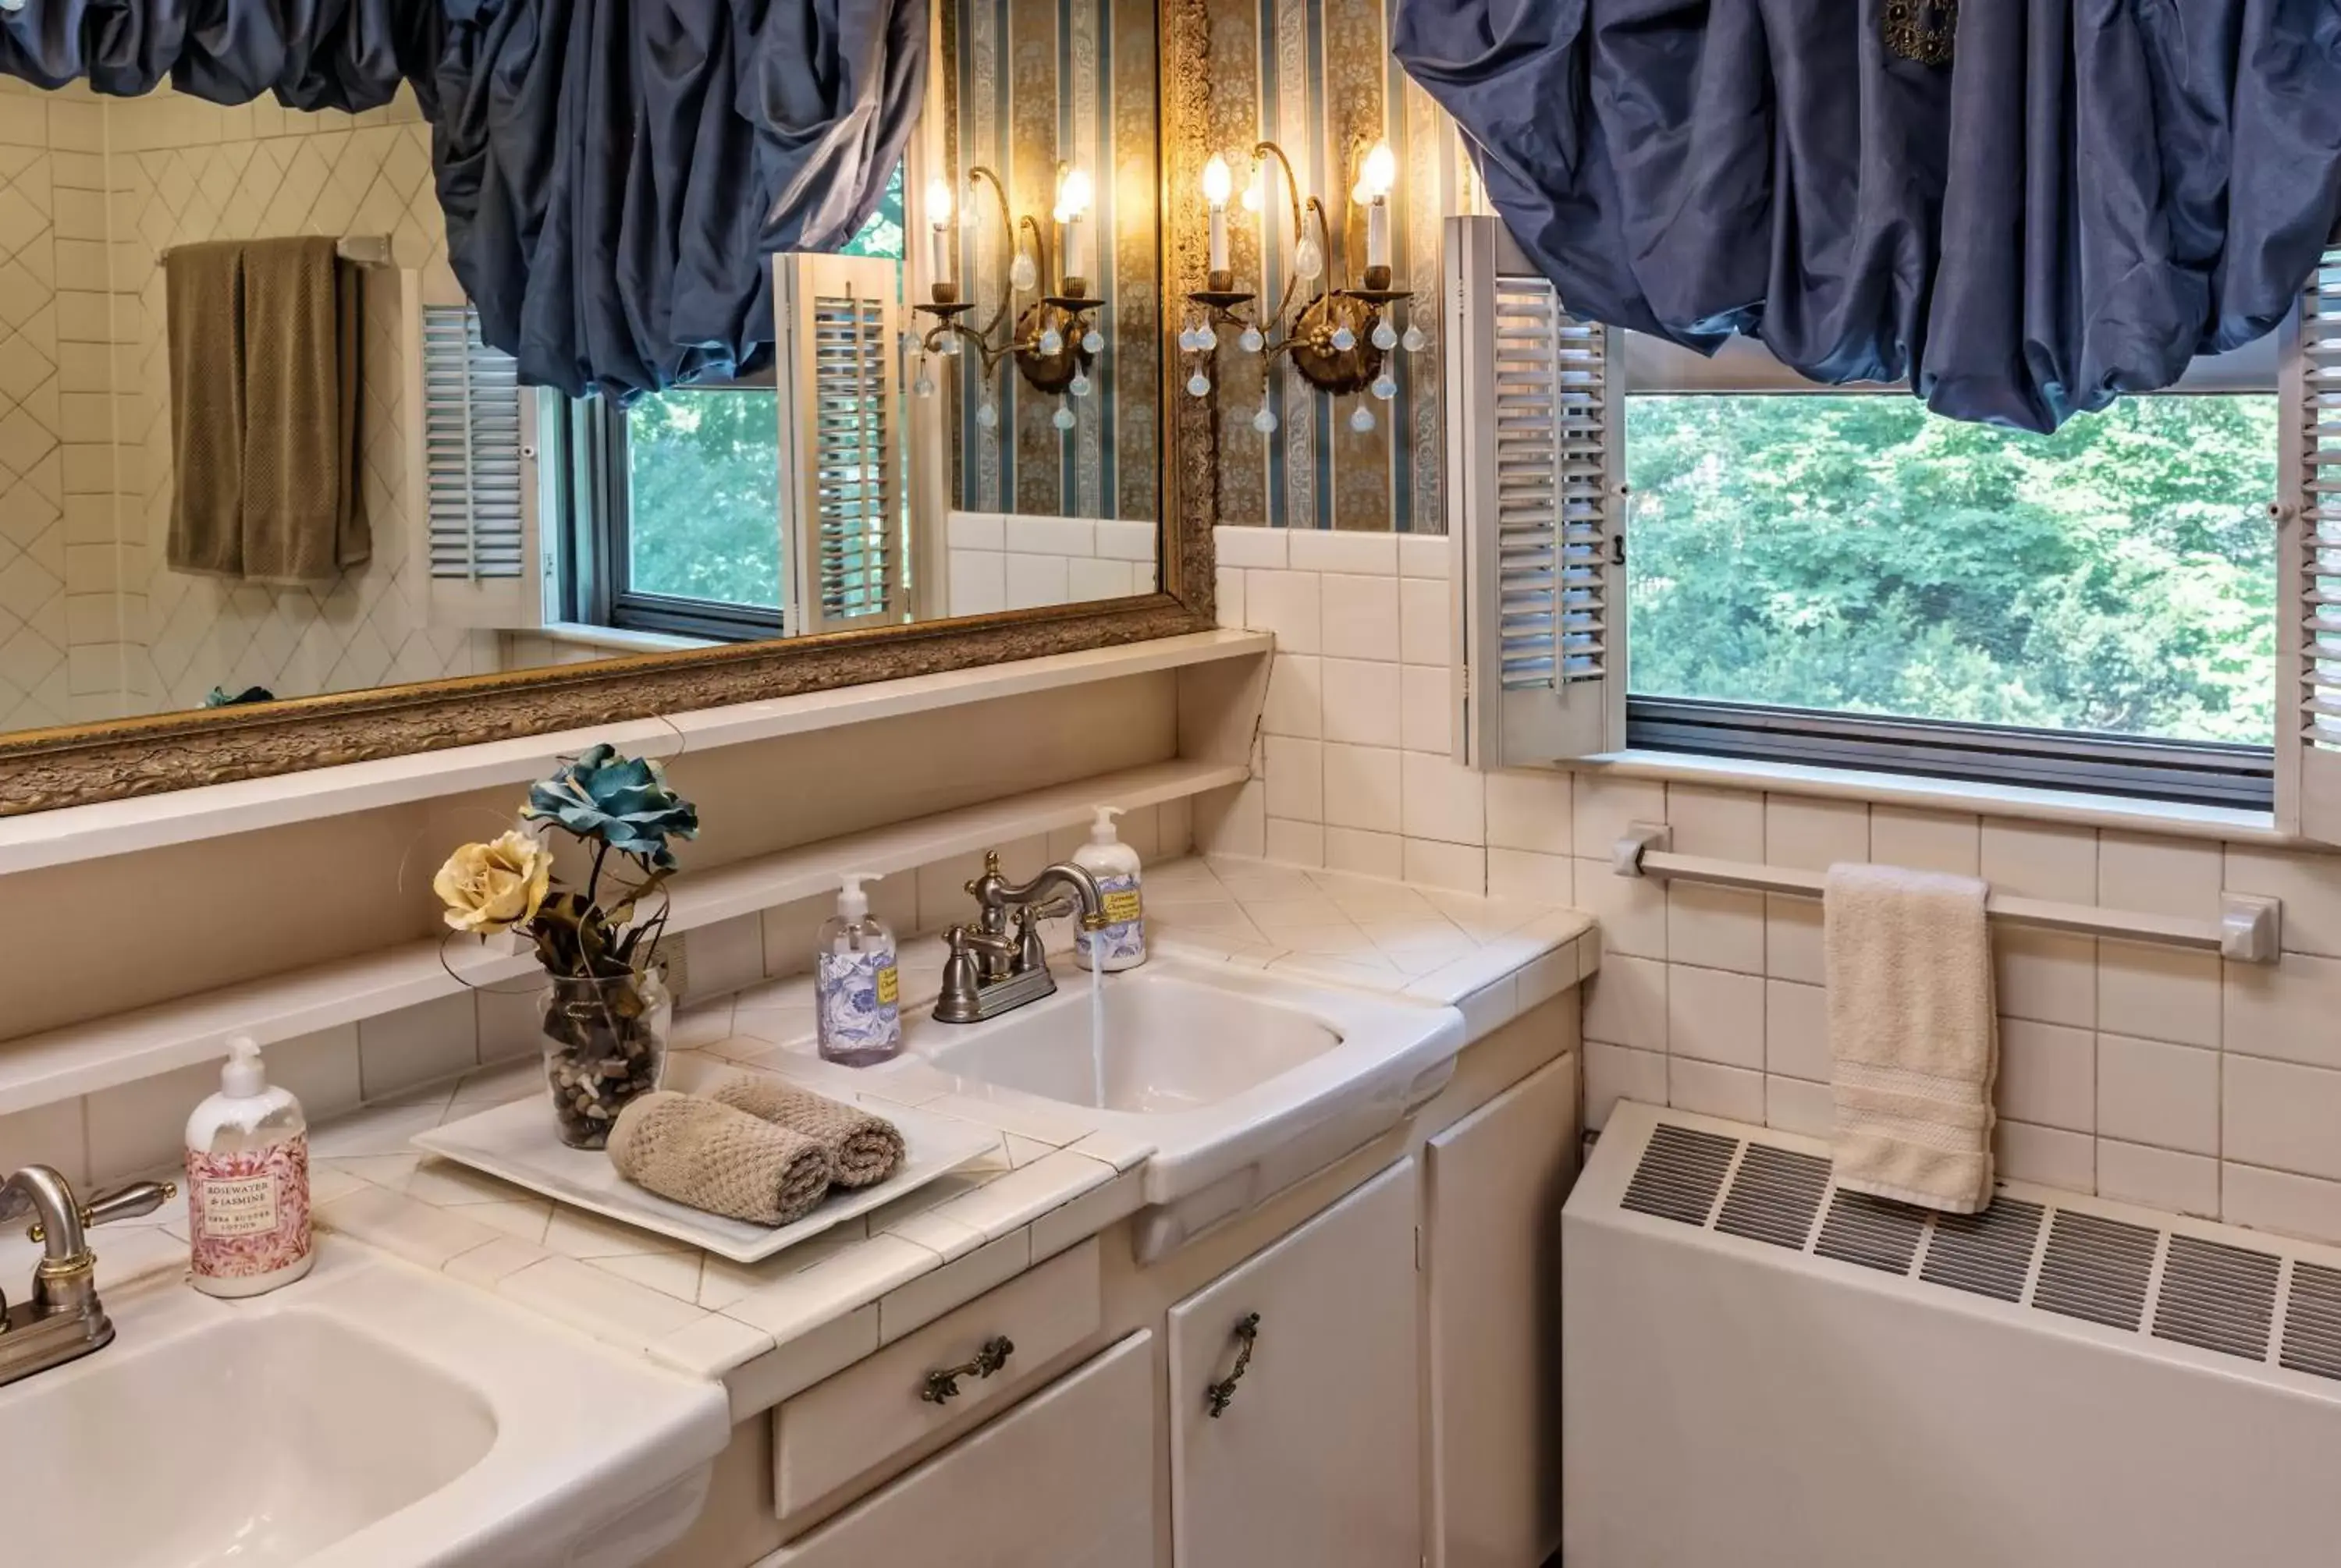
[370, 1414]
[1243, 1082]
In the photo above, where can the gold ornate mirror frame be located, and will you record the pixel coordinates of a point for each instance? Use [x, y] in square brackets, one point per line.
[42, 770]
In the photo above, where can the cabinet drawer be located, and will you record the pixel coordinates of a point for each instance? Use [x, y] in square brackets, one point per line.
[848, 1424]
[1065, 1480]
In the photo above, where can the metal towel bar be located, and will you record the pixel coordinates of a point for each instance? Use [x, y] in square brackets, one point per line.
[2249, 928]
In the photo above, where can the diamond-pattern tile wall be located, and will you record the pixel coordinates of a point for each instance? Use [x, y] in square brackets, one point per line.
[183, 171]
[93, 624]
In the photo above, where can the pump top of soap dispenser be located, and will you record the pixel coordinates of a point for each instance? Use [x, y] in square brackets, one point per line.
[852, 903]
[243, 1076]
[1101, 825]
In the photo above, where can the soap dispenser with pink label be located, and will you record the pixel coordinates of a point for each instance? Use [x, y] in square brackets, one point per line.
[248, 1182]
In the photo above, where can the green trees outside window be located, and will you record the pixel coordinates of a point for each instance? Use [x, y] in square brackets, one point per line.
[1857, 553]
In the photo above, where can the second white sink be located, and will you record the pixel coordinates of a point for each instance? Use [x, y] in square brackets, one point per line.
[369, 1416]
[1241, 1082]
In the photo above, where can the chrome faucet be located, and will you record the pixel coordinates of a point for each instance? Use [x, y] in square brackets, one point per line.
[62, 1318]
[990, 969]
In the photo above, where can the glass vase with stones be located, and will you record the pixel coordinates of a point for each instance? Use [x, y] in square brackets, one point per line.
[606, 1040]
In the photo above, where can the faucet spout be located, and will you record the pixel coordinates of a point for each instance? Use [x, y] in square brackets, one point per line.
[1075, 879]
[40, 1190]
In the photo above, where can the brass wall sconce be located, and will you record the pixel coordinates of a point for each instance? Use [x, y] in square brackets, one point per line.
[1341, 339]
[1055, 340]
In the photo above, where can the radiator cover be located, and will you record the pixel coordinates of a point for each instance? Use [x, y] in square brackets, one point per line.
[1761, 1371]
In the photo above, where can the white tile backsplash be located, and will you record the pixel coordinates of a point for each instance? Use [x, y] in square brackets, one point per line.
[1360, 616]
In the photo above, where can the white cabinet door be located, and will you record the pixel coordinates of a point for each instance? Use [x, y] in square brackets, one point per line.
[1315, 1459]
[1065, 1480]
[1495, 1184]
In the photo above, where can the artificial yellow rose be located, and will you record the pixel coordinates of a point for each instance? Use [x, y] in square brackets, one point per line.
[494, 886]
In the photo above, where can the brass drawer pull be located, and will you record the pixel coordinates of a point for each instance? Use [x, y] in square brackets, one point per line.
[943, 1387]
[1221, 1395]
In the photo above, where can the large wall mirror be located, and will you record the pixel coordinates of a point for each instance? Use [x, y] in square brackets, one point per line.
[266, 505]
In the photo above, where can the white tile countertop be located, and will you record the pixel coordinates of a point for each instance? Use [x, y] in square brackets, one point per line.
[768, 1329]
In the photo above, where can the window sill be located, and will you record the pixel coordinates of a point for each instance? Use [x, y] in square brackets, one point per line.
[577, 634]
[2170, 817]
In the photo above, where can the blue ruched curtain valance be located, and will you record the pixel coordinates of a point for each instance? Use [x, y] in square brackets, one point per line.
[615, 173]
[2089, 194]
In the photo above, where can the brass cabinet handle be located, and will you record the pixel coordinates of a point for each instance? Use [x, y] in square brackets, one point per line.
[1222, 1394]
[989, 1357]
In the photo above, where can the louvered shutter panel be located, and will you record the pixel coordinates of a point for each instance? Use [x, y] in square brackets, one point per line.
[844, 476]
[2309, 632]
[1534, 425]
[471, 478]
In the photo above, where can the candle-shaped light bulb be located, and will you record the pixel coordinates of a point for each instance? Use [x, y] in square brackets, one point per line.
[1217, 182]
[1374, 181]
[939, 214]
[1072, 211]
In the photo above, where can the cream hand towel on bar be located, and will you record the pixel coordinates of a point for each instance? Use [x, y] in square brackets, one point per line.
[1914, 1035]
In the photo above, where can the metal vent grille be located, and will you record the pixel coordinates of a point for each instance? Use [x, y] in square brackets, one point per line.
[2095, 1270]
[1984, 1254]
[2216, 1298]
[1680, 1173]
[1774, 1197]
[1874, 1232]
[2312, 1322]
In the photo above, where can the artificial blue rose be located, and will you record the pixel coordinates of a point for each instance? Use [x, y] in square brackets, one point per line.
[623, 802]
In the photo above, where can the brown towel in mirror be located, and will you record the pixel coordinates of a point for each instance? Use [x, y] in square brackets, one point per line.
[865, 1148]
[719, 1159]
[302, 517]
[204, 298]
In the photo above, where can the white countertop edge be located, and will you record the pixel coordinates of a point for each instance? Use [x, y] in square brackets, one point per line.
[77, 833]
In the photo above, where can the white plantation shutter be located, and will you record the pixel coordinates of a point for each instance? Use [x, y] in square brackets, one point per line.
[2309, 628]
[471, 469]
[843, 473]
[1534, 441]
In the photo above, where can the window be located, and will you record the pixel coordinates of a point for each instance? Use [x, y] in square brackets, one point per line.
[674, 502]
[1846, 577]
[1666, 552]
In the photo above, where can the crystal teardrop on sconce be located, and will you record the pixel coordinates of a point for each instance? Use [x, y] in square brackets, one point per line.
[1308, 258]
[1206, 339]
[1079, 386]
[1414, 341]
[1385, 336]
[1361, 419]
[1344, 339]
[1093, 342]
[949, 348]
[1199, 385]
[1384, 388]
[1022, 273]
[1264, 421]
[987, 414]
[924, 386]
[1251, 342]
[1053, 341]
[1063, 418]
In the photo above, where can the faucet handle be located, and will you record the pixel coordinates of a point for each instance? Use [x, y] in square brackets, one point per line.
[126, 1202]
[129, 1203]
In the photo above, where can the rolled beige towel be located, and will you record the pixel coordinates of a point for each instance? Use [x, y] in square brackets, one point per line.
[866, 1149]
[717, 1158]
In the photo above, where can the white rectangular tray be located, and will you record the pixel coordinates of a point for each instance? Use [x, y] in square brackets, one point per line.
[517, 1142]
